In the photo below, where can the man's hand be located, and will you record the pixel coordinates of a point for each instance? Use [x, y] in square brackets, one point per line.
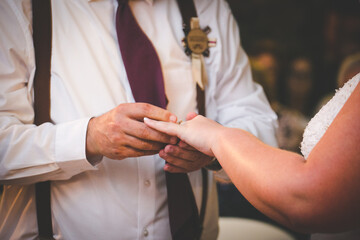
[121, 133]
[182, 158]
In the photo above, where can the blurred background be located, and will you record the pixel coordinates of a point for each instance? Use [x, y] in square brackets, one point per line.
[322, 31]
[300, 52]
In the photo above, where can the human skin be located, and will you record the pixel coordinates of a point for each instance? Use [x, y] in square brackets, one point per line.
[319, 194]
[121, 133]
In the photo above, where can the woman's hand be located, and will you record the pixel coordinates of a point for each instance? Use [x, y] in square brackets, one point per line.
[200, 132]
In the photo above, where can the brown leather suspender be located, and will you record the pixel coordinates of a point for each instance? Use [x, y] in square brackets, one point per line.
[42, 35]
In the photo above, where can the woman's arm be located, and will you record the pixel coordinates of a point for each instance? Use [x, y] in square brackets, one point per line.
[321, 194]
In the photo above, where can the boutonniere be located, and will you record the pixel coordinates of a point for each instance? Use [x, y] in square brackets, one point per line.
[196, 44]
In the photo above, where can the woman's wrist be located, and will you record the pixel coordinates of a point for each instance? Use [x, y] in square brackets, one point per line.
[220, 133]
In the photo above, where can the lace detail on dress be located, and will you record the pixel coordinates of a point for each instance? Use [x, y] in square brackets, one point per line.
[318, 125]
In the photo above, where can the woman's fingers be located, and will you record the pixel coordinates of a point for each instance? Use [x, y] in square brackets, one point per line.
[165, 127]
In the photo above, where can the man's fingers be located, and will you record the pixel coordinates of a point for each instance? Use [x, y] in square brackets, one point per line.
[144, 145]
[186, 146]
[174, 169]
[140, 110]
[125, 152]
[182, 153]
[182, 158]
[185, 164]
[190, 116]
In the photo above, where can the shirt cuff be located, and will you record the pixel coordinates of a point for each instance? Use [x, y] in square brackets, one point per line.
[70, 147]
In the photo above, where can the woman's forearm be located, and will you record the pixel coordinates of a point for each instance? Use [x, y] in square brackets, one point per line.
[273, 180]
[320, 194]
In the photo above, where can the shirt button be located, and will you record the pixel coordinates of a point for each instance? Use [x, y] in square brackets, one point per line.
[147, 183]
[145, 232]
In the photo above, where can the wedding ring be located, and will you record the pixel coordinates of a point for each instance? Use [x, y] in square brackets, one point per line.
[180, 122]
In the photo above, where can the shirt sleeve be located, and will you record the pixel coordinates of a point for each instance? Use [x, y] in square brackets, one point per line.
[30, 153]
[233, 98]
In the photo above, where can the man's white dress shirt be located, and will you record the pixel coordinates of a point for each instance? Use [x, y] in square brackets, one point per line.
[115, 199]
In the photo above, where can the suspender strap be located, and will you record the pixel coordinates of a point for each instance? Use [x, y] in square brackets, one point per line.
[42, 46]
[200, 98]
[204, 197]
[188, 10]
[43, 210]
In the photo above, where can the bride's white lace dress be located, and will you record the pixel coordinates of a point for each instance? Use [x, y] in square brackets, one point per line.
[316, 129]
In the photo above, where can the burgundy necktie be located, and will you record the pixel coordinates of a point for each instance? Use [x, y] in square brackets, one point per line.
[146, 81]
